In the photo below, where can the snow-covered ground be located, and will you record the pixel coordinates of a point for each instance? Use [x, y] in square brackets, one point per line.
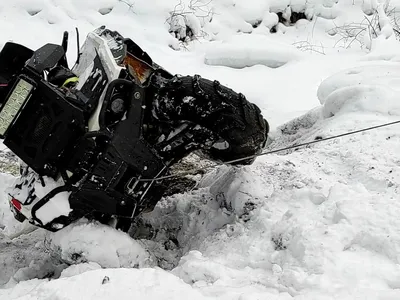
[320, 222]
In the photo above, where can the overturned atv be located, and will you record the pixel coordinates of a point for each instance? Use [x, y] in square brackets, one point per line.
[94, 139]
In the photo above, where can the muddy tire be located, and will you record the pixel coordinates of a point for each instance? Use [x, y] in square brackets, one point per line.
[217, 108]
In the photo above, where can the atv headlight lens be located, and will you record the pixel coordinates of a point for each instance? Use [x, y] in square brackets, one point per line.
[17, 98]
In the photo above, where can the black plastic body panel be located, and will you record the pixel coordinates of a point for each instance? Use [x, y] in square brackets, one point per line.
[127, 156]
[12, 59]
[46, 127]
[46, 57]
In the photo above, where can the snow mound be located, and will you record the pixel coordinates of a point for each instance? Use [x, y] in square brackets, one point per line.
[79, 269]
[381, 74]
[247, 51]
[372, 88]
[49, 19]
[27, 257]
[182, 222]
[234, 189]
[101, 244]
[151, 284]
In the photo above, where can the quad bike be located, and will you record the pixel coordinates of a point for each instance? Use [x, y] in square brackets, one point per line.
[95, 139]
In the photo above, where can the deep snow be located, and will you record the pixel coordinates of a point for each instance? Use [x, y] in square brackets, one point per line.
[314, 223]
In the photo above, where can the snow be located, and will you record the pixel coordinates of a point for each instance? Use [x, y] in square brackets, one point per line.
[247, 51]
[370, 88]
[74, 270]
[6, 217]
[100, 244]
[118, 283]
[318, 222]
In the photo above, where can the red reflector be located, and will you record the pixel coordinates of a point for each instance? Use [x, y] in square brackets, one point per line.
[16, 203]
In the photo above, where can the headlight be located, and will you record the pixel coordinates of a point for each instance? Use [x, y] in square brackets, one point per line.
[19, 95]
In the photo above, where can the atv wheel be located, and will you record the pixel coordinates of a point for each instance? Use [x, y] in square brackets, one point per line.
[217, 108]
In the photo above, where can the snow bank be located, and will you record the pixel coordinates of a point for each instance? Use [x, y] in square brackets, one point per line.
[323, 228]
[239, 16]
[151, 284]
[27, 257]
[47, 20]
[372, 88]
[247, 51]
[323, 220]
[74, 270]
[362, 98]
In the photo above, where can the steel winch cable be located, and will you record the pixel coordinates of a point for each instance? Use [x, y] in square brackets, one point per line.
[194, 171]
